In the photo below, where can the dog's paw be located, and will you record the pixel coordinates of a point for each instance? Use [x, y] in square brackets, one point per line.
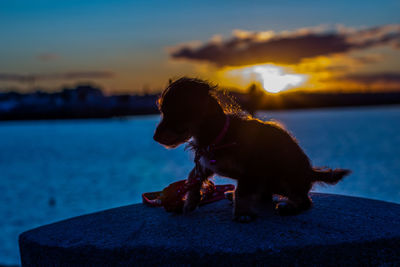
[192, 201]
[286, 209]
[189, 207]
[244, 217]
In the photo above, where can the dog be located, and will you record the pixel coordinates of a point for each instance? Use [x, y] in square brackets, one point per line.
[263, 157]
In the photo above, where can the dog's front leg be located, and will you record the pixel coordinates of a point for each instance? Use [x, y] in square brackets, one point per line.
[193, 196]
[244, 202]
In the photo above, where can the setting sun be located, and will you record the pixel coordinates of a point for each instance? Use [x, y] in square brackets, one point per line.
[273, 78]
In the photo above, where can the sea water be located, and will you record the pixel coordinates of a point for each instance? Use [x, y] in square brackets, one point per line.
[53, 170]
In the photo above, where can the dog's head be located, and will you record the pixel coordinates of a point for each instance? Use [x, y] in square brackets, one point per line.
[183, 105]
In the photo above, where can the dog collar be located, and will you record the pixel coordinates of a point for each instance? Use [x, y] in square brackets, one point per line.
[215, 145]
[222, 134]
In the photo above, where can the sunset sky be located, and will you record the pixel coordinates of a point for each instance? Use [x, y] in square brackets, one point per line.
[131, 46]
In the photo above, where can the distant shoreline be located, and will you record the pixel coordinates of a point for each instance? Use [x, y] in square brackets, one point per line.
[126, 116]
[88, 102]
[76, 117]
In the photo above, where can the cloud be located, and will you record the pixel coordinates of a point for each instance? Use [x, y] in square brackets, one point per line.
[372, 78]
[336, 64]
[247, 48]
[27, 78]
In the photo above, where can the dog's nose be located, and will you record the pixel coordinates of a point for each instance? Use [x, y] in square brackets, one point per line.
[155, 137]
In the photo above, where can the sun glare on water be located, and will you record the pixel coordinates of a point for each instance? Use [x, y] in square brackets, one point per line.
[273, 78]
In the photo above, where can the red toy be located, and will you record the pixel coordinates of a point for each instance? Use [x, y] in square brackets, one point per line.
[172, 197]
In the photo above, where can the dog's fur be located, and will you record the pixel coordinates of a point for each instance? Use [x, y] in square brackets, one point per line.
[263, 157]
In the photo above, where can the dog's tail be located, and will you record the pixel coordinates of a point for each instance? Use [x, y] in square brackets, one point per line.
[329, 176]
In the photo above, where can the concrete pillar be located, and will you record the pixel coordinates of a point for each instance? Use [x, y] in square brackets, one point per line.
[338, 230]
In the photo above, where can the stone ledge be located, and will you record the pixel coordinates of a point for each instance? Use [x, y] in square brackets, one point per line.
[338, 230]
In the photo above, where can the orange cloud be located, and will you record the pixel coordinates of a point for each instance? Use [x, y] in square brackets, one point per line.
[249, 48]
[373, 78]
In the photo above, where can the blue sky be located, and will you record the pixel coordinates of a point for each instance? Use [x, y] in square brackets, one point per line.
[130, 38]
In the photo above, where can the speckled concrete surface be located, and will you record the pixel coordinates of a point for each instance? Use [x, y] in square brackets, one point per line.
[338, 230]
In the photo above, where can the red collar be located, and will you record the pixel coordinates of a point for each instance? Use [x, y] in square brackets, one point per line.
[222, 134]
[209, 150]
